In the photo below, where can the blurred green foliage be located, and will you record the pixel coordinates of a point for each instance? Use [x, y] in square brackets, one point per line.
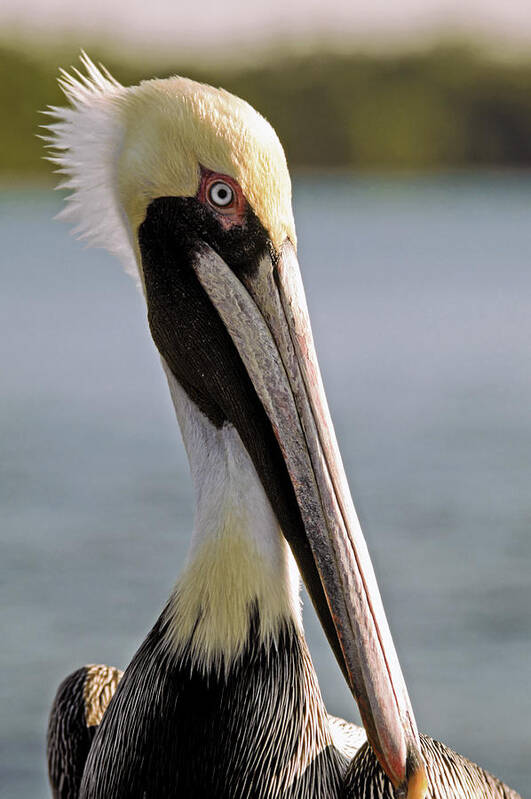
[448, 107]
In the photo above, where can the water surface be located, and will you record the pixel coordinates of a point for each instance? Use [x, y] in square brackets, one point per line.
[420, 297]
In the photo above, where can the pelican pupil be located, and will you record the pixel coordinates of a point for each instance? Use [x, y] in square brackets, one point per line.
[221, 194]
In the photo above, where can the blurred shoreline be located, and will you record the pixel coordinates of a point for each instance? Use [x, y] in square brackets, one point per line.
[447, 106]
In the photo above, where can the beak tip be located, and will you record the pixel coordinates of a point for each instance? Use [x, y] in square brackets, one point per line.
[417, 781]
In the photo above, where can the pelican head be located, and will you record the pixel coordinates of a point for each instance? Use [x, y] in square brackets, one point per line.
[189, 186]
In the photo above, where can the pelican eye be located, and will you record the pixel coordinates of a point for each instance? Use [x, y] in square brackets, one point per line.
[221, 194]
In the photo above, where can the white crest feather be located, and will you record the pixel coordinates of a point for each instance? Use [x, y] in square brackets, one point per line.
[85, 140]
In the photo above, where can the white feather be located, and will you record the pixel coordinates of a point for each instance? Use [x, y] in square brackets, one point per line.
[85, 140]
[238, 556]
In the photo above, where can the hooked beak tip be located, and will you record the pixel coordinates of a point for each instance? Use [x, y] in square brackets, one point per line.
[416, 786]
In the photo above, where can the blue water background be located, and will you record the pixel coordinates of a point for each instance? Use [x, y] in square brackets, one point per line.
[420, 296]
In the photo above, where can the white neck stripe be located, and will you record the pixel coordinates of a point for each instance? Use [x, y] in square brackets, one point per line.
[238, 558]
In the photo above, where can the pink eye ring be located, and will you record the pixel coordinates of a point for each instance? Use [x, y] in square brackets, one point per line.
[223, 197]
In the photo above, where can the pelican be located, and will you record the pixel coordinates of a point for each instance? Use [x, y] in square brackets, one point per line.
[189, 186]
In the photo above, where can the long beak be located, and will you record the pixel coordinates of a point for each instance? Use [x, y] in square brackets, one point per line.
[267, 318]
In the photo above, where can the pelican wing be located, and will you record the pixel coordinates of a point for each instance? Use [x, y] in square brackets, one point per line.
[450, 776]
[77, 710]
